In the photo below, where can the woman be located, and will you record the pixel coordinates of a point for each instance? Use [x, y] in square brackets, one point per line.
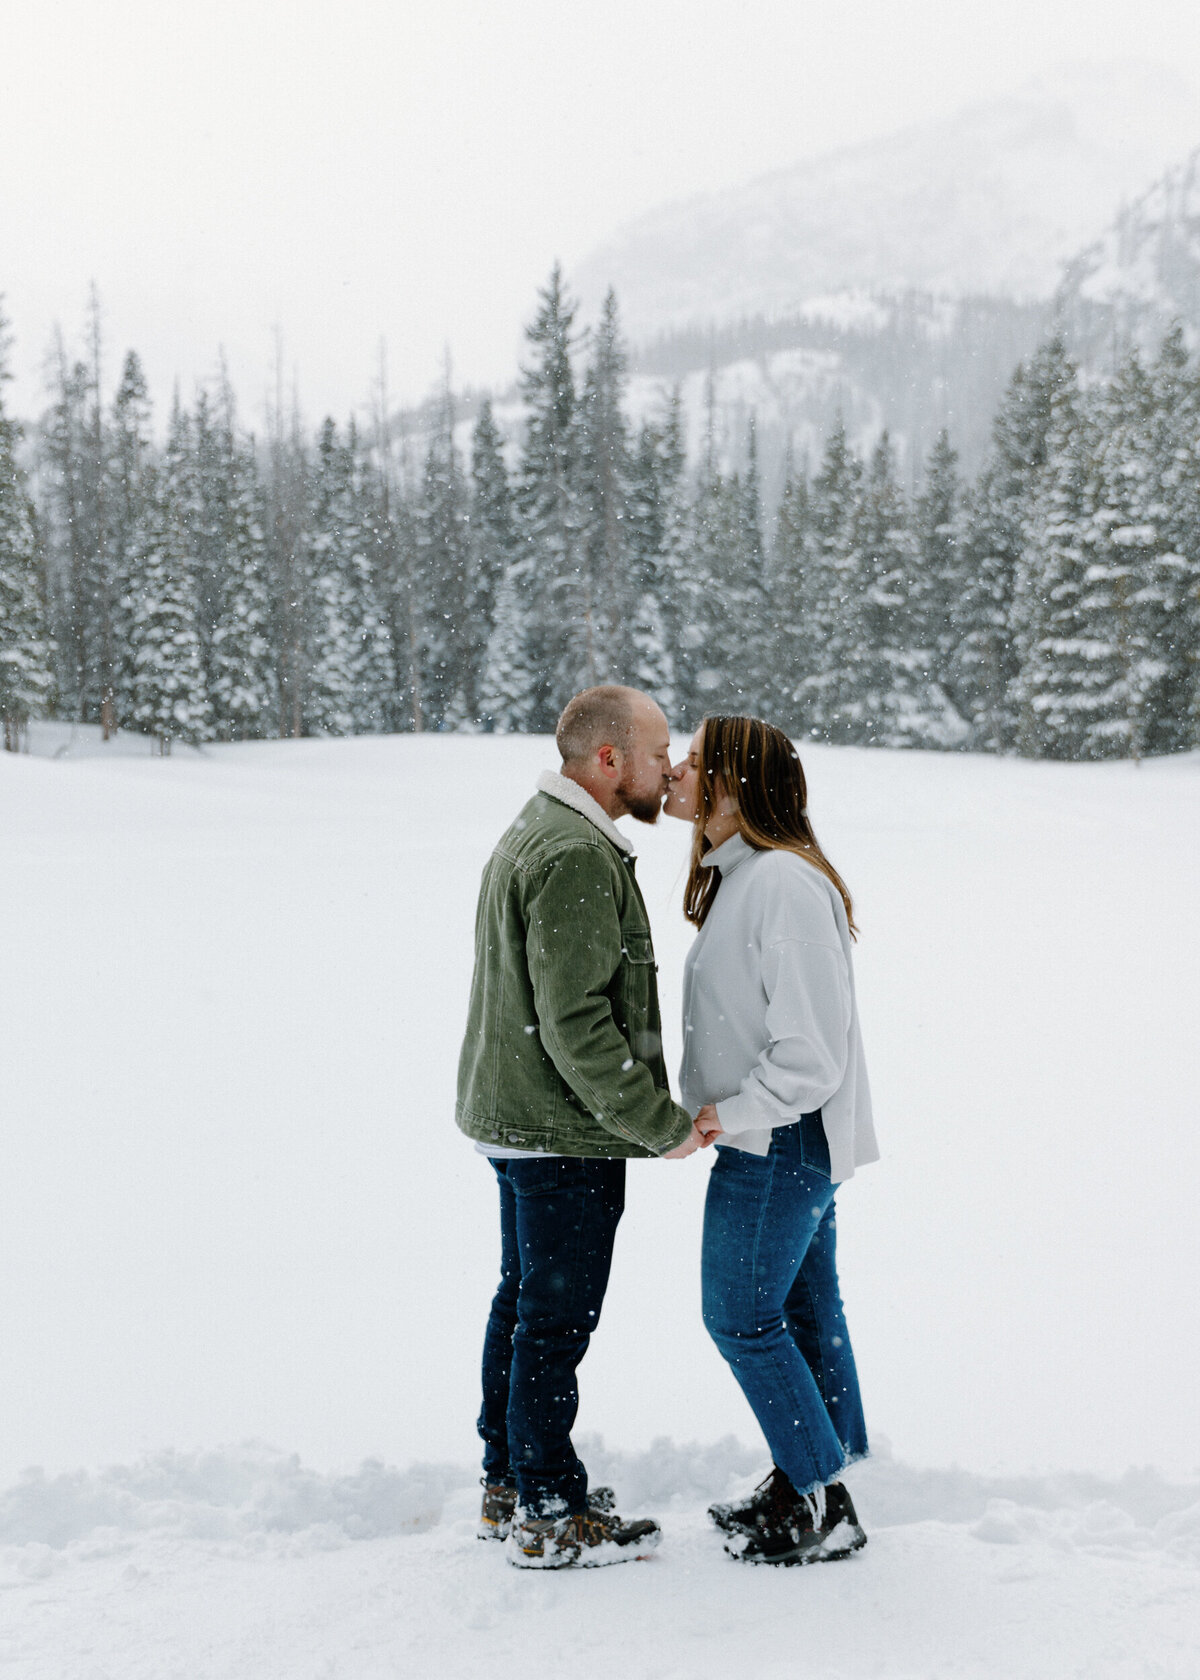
[773, 1068]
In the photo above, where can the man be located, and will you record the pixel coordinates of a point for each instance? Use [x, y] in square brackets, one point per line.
[560, 1081]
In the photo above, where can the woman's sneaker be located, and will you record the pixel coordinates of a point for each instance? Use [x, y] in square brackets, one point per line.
[819, 1527]
[771, 1499]
[585, 1541]
[500, 1501]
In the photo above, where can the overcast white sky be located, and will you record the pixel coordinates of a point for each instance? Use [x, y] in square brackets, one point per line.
[409, 169]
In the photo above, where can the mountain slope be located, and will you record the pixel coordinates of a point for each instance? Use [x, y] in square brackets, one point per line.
[992, 200]
[1144, 272]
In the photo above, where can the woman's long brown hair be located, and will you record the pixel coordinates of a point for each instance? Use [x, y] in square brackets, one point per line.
[756, 765]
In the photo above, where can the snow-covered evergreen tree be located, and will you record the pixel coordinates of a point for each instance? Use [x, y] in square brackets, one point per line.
[69, 525]
[374, 666]
[1122, 596]
[987, 657]
[130, 464]
[898, 701]
[828, 697]
[289, 499]
[26, 650]
[493, 544]
[936, 587]
[931, 625]
[330, 688]
[442, 532]
[1055, 689]
[792, 659]
[1173, 713]
[169, 692]
[659, 570]
[734, 656]
[242, 673]
[606, 494]
[554, 653]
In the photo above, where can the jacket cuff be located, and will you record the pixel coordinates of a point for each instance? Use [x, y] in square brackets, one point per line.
[674, 1142]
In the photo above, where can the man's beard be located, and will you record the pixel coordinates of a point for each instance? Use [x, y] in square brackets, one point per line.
[643, 807]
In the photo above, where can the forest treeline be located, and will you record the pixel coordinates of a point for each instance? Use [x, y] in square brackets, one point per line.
[216, 586]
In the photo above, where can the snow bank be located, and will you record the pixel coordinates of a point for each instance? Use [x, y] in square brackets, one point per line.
[227, 1494]
[257, 1495]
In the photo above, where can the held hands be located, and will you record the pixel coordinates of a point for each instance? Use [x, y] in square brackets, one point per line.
[707, 1124]
[705, 1129]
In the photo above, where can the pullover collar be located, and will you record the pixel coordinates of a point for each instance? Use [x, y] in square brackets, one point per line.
[579, 799]
[729, 855]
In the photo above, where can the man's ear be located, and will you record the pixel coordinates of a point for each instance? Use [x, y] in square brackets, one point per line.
[609, 760]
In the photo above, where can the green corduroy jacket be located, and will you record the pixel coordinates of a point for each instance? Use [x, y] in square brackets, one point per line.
[563, 1047]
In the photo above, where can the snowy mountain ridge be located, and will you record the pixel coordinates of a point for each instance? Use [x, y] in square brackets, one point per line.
[1143, 273]
[995, 199]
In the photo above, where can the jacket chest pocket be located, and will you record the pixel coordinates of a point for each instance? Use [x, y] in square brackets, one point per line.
[636, 947]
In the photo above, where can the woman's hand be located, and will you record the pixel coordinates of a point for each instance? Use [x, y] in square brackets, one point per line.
[706, 1125]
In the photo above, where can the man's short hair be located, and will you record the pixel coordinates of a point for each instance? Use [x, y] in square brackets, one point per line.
[598, 717]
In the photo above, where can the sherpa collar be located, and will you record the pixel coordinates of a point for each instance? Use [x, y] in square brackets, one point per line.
[579, 799]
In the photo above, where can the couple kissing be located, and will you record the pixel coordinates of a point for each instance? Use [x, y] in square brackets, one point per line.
[562, 1080]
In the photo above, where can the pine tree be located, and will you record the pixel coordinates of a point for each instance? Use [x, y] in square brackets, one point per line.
[932, 585]
[606, 488]
[374, 665]
[1123, 545]
[330, 687]
[555, 653]
[443, 566]
[69, 526]
[288, 505]
[936, 588]
[792, 654]
[242, 673]
[493, 543]
[1055, 686]
[659, 565]
[211, 487]
[1173, 702]
[26, 651]
[987, 660]
[169, 691]
[130, 471]
[895, 700]
[831, 605]
[390, 554]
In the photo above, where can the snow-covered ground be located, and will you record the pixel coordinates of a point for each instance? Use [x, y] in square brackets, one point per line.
[235, 1210]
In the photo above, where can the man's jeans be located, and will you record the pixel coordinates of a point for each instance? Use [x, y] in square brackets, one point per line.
[558, 1219]
[771, 1301]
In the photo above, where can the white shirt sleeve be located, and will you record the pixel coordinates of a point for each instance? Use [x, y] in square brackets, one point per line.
[808, 1026]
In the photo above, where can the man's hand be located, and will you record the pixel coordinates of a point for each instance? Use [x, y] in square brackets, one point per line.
[706, 1125]
[689, 1146]
[705, 1128]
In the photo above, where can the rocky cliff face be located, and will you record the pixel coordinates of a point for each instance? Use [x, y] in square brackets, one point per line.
[1142, 274]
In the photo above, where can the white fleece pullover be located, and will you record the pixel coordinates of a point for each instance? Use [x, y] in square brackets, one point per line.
[770, 1024]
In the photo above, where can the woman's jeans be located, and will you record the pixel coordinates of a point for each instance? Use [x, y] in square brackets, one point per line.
[771, 1301]
[558, 1219]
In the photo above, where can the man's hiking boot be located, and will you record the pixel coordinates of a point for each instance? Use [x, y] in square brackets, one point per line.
[584, 1541]
[771, 1499]
[496, 1512]
[818, 1527]
[500, 1501]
